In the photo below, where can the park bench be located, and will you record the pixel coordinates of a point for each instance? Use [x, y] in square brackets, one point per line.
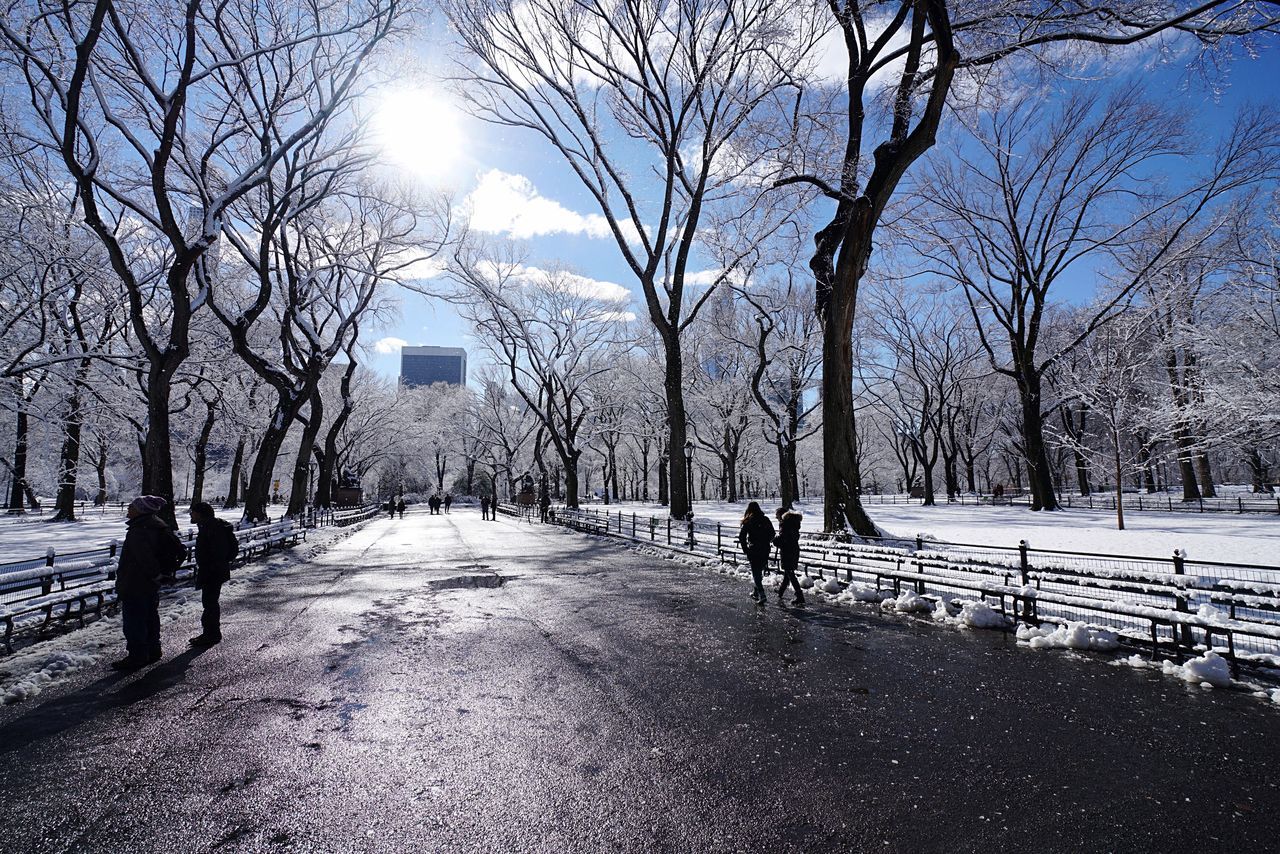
[83, 586]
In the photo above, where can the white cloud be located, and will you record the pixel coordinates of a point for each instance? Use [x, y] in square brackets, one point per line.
[702, 278]
[389, 345]
[504, 203]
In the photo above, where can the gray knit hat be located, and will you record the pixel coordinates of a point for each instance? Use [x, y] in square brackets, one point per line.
[147, 503]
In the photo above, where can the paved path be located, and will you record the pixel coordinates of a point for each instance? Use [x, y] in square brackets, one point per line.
[602, 700]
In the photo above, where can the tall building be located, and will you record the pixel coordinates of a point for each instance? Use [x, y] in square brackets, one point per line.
[427, 365]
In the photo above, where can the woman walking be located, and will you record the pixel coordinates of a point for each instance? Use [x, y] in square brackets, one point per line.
[756, 539]
[788, 541]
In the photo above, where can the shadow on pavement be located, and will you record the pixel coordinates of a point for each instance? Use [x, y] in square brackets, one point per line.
[44, 720]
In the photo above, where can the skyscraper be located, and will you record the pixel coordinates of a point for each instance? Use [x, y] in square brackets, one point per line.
[427, 365]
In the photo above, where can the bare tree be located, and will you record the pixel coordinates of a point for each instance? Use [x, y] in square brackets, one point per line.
[918, 47]
[154, 109]
[657, 108]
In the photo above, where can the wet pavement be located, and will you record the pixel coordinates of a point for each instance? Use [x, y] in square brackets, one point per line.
[439, 683]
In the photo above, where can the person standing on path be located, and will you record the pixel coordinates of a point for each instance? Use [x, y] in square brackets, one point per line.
[448, 501]
[756, 538]
[484, 508]
[400, 507]
[788, 542]
[216, 547]
[150, 551]
[391, 508]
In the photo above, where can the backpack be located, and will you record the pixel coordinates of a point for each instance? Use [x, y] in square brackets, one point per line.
[173, 552]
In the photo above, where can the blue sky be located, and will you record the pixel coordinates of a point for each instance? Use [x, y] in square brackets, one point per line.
[520, 187]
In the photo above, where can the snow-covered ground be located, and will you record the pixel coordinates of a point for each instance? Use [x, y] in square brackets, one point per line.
[23, 537]
[1246, 538]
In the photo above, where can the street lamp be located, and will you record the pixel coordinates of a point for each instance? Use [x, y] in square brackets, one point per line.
[688, 473]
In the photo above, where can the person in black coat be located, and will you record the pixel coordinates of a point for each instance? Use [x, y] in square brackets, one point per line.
[151, 551]
[484, 507]
[788, 543]
[756, 538]
[216, 548]
[400, 507]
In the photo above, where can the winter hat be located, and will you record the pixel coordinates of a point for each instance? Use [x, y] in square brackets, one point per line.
[147, 503]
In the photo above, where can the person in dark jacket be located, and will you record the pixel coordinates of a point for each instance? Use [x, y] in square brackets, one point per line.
[150, 552]
[216, 548]
[788, 543]
[400, 507]
[448, 501]
[484, 507]
[756, 538]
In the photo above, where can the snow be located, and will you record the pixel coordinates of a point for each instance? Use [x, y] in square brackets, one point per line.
[1072, 635]
[858, 592]
[1224, 537]
[908, 602]
[44, 669]
[28, 537]
[831, 586]
[980, 615]
[1208, 671]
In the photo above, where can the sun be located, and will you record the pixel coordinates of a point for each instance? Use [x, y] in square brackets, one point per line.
[420, 133]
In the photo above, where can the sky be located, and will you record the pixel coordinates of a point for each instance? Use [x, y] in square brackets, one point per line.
[512, 183]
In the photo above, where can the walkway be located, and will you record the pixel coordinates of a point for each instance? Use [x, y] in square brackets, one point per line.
[605, 700]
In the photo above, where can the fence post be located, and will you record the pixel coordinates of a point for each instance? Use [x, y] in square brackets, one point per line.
[719, 544]
[1180, 601]
[1240, 504]
[919, 564]
[692, 544]
[1024, 563]
[46, 582]
[633, 526]
[668, 530]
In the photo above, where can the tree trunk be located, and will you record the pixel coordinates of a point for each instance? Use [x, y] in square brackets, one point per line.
[18, 485]
[233, 487]
[842, 508]
[258, 495]
[673, 384]
[302, 462]
[100, 468]
[1186, 468]
[157, 451]
[69, 459]
[571, 484]
[1119, 483]
[1039, 471]
[1257, 469]
[664, 494]
[201, 456]
[1205, 476]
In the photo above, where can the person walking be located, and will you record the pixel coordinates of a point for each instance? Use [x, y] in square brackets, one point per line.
[756, 538]
[788, 543]
[448, 501]
[150, 552]
[391, 508]
[216, 548]
[400, 507]
[484, 508]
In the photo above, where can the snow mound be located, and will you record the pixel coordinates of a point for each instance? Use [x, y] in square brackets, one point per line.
[831, 586]
[1135, 661]
[44, 671]
[856, 592]
[1209, 670]
[909, 602]
[806, 582]
[946, 609]
[1275, 696]
[1073, 635]
[980, 615]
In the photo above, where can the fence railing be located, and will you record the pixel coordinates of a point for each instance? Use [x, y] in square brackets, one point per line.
[37, 577]
[1161, 600]
[1167, 503]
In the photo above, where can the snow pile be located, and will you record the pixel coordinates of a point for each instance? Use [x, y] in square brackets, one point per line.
[856, 592]
[1073, 635]
[980, 615]
[831, 586]
[909, 602]
[44, 671]
[947, 608]
[806, 582]
[1135, 661]
[1275, 696]
[1209, 670]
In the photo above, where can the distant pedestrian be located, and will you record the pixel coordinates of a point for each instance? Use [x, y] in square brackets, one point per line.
[391, 508]
[448, 501]
[756, 538]
[151, 551]
[216, 548]
[484, 507]
[788, 542]
[400, 507]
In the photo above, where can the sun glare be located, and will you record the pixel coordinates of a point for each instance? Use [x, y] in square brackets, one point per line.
[419, 133]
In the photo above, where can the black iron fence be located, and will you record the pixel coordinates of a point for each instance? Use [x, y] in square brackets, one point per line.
[1167, 503]
[1173, 601]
